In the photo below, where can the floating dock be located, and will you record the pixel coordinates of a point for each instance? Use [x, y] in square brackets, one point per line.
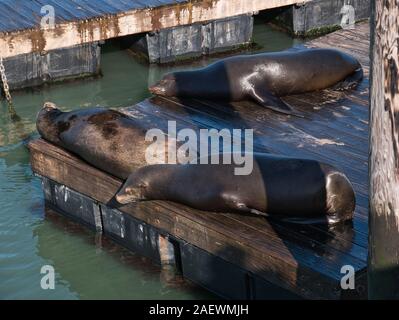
[239, 256]
[80, 21]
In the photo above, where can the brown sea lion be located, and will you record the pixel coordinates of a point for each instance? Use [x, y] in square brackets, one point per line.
[107, 139]
[291, 188]
[265, 77]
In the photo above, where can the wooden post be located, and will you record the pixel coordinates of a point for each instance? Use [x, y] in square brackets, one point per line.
[383, 271]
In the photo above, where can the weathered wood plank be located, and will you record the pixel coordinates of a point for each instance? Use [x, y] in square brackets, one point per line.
[383, 264]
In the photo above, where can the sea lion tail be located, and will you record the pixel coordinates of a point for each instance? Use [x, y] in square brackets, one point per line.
[352, 81]
[340, 197]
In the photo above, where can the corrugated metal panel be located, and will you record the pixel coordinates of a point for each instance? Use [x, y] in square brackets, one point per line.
[24, 14]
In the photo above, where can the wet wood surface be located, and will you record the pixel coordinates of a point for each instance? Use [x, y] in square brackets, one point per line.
[305, 259]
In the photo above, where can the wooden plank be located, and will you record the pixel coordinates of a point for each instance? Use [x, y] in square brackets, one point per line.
[97, 25]
[383, 271]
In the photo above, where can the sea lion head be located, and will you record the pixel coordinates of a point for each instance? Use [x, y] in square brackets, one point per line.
[47, 124]
[132, 190]
[166, 87]
[146, 183]
[340, 197]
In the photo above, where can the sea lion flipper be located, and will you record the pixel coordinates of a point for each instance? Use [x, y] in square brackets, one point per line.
[270, 101]
[350, 82]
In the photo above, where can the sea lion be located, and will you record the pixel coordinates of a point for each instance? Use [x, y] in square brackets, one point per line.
[265, 77]
[105, 138]
[293, 189]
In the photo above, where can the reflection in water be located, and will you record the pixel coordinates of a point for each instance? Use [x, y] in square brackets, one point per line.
[124, 275]
[28, 241]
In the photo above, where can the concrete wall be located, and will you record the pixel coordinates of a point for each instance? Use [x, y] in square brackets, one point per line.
[311, 18]
[195, 40]
[29, 70]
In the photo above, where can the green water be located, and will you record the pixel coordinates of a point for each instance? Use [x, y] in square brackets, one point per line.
[86, 267]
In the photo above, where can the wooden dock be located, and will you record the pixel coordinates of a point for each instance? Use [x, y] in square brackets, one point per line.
[241, 256]
[81, 21]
